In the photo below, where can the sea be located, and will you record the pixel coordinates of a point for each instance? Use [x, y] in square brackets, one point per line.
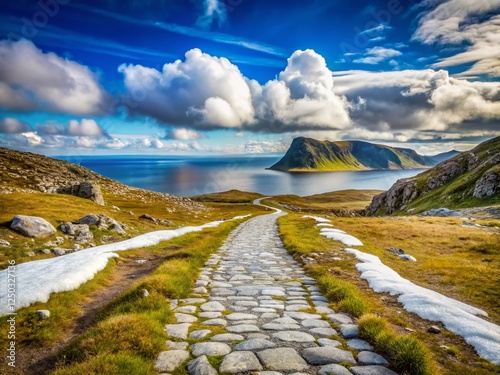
[194, 175]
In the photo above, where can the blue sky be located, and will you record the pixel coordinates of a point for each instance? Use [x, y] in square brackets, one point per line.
[241, 76]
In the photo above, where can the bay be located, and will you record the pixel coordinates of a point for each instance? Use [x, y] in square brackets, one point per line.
[193, 175]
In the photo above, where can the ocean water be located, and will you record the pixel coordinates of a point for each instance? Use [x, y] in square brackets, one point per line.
[193, 175]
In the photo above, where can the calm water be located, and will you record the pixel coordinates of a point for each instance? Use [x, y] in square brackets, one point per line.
[193, 175]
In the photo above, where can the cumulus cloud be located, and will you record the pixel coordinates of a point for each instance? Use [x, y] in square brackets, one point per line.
[206, 92]
[418, 100]
[74, 128]
[183, 134]
[11, 125]
[213, 10]
[85, 127]
[33, 80]
[376, 55]
[462, 21]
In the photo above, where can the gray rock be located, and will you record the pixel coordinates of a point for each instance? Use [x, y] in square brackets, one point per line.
[185, 318]
[358, 344]
[190, 301]
[199, 334]
[349, 331]
[81, 232]
[215, 322]
[295, 336]
[201, 366]
[58, 251]
[488, 184]
[315, 323]
[280, 327]
[169, 360]
[227, 337]
[90, 219]
[371, 370]
[32, 226]
[326, 355]
[333, 369]
[301, 315]
[282, 359]
[370, 358]
[210, 348]
[240, 362]
[175, 345]
[241, 316]
[186, 309]
[255, 344]
[340, 318]
[4, 243]
[45, 251]
[86, 190]
[434, 329]
[328, 342]
[210, 314]
[145, 293]
[179, 331]
[212, 306]
[43, 314]
[30, 254]
[243, 328]
[322, 332]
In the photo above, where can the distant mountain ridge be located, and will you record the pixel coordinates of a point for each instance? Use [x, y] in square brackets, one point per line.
[309, 155]
[470, 179]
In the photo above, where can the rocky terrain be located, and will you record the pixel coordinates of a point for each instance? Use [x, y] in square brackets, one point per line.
[25, 172]
[309, 155]
[467, 180]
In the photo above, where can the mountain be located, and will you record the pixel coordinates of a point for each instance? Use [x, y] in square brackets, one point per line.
[439, 158]
[470, 179]
[310, 155]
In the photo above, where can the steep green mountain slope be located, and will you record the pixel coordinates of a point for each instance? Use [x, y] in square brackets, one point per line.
[470, 179]
[310, 155]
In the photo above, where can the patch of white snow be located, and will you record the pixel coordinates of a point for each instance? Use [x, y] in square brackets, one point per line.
[457, 316]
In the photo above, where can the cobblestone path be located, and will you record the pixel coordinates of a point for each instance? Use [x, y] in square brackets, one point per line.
[255, 310]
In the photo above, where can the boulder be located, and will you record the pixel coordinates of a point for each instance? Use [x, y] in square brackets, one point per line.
[103, 222]
[32, 226]
[488, 184]
[4, 243]
[81, 232]
[87, 190]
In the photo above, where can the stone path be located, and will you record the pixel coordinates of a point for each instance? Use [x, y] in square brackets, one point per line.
[254, 309]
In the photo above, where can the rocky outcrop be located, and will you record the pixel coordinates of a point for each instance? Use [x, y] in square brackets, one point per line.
[86, 190]
[472, 174]
[80, 232]
[32, 226]
[488, 184]
[104, 222]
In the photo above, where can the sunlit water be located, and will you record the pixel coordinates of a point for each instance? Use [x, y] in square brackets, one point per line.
[193, 175]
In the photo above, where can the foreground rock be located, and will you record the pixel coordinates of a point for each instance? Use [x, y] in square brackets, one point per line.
[32, 226]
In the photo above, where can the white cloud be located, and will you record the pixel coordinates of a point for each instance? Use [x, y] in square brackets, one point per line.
[32, 138]
[418, 100]
[86, 128]
[11, 125]
[33, 80]
[85, 142]
[183, 134]
[214, 10]
[206, 92]
[240, 134]
[376, 55]
[116, 144]
[462, 21]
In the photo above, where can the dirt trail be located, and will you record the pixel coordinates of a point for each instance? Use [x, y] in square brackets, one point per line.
[127, 273]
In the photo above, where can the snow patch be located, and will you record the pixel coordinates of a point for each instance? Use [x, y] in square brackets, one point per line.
[36, 280]
[339, 235]
[457, 316]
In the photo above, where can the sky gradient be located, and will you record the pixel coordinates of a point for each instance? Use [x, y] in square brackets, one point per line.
[241, 76]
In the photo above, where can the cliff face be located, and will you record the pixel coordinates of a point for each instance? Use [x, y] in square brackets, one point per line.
[309, 155]
[470, 179]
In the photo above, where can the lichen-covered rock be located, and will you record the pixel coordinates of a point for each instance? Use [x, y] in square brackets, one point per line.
[32, 226]
[488, 184]
[86, 189]
[81, 232]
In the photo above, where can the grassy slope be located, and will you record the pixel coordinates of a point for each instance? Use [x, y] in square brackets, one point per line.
[340, 156]
[444, 264]
[230, 196]
[456, 192]
[343, 199]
